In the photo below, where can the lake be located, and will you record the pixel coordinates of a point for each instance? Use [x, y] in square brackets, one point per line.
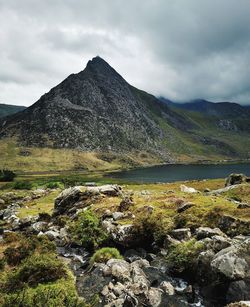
[180, 172]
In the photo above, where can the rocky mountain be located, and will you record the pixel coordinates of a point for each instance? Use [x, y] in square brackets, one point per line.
[7, 109]
[96, 110]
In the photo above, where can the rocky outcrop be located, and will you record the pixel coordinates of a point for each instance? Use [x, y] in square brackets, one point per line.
[136, 283]
[78, 197]
[236, 179]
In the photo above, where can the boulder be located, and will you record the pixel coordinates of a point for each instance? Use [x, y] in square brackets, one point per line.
[52, 235]
[154, 297]
[243, 206]
[118, 215]
[186, 189]
[120, 269]
[121, 234]
[125, 204]
[238, 290]
[207, 232]
[240, 304]
[233, 179]
[39, 226]
[219, 242]
[233, 226]
[78, 197]
[181, 234]
[184, 207]
[233, 262]
[167, 287]
[109, 189]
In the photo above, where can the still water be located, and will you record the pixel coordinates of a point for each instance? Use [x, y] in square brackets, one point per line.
[177, 172]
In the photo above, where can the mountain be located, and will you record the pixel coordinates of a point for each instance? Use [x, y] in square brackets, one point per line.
[94, 110]
[97, 111]
[7, 109]
[226, 115]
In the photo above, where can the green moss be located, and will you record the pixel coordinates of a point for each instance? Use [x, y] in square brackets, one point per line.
[61, 293]
[87, 230]
[104, 254]
[183, 256]
[38, 268]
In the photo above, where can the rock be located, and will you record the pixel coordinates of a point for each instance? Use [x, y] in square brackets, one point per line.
[125, 204]
[233, 179]
[90, 184]
[186, 189]
[2, 202]
[154, 297]
[184, 207]
[243, 206]
[222, 190]
[52, 235]
[170, 241]
[238, 290]
[122, 234]
[233, 262]
[118, 215]
[207, 232]
[120, 269]
[105, 290]
[133, 255]
[233, 226]
[107, 214]
[181, 234]
[118, 289]
[167, 287]
[78, 197]
[110, 189]
[240, 304]
[38, 193]
[39, 226]
[218, 243]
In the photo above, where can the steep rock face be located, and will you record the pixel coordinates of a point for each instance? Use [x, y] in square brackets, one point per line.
[95, 109]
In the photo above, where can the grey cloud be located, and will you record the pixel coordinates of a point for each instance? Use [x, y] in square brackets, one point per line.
[177, 48]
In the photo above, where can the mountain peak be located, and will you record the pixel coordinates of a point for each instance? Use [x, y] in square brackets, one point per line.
[97, 61]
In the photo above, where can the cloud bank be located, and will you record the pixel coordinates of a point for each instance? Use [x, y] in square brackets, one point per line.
[174, 48]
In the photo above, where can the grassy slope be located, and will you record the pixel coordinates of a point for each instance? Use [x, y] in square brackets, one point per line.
[163, 197]
[6, 109]
[206, 127]
[48, 159]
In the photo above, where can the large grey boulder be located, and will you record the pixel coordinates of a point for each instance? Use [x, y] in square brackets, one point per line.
[233, 262]
[207, 232]
[233, 179]
[78, 197]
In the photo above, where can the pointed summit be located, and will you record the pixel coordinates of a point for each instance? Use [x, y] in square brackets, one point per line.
[99, 66]
[93, 110]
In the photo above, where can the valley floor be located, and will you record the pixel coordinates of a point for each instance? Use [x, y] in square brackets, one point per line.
[171, 225]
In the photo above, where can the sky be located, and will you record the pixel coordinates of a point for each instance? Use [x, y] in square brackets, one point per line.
[179, 49]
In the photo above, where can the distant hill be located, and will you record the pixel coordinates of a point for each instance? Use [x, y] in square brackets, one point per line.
[7, 109]
[226, 115]
[97, 111]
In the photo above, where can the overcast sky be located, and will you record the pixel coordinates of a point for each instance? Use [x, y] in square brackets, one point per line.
[180, 49]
